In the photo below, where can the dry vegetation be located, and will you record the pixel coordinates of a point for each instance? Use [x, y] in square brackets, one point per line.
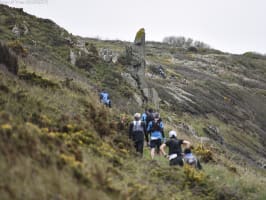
[58, 142]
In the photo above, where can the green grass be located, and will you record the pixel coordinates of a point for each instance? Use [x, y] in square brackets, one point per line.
[58, 142]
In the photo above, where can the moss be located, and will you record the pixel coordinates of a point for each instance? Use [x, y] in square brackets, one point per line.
[139, 36]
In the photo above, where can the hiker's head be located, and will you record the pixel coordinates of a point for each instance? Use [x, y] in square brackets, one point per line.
[187, 150]
[172, 134]
[137, 116]
[150, 110]
[156, 115]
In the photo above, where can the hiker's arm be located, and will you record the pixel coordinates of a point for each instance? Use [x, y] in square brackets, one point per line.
[149, 127]
[186, 143]
[162, 129]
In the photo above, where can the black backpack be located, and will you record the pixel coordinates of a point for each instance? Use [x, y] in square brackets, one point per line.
[156, 125]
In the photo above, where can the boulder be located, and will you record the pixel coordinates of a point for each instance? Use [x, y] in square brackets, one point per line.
[129, 79]
[73, 57]
[214, 133]
[16, 31]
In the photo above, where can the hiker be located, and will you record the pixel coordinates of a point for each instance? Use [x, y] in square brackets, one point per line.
[175, 149]
[161, 71]
[149, 116]
[155, 129]
[105, 99]
[136, 133]
[190, 159]
[144, 119]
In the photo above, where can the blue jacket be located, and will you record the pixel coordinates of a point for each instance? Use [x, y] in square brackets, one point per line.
[104, 97]
[143, 117]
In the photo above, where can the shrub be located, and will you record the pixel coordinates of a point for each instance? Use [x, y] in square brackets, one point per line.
[254, 55]
[205, 154]
[87, 61]
[18, 48]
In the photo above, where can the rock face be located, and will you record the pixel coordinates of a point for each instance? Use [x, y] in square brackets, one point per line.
[72, 57]
[19, 30]
[214, 133]
[135, 55]
[16, 31]
[108, 55]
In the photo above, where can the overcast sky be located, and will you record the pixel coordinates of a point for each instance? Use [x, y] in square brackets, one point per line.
[234, 26]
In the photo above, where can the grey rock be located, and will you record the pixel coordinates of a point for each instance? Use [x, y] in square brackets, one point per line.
[26, 30]
[129, 79]
[72, 57]
[214, 133]
[16, 31]
[106, 54]
[187, 129]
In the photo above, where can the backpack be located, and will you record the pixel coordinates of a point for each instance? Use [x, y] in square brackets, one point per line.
[156, 125]
[190, 159]
[137, 126]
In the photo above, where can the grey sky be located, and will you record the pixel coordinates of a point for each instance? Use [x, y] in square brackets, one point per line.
[234, 26]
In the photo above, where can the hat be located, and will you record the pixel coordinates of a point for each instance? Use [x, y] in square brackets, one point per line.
[172, 133]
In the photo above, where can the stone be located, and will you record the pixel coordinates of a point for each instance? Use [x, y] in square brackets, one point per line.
[214, 133]
[16, 31]
[26, 30]
[106, 54]
[129, 79]
[73, 57]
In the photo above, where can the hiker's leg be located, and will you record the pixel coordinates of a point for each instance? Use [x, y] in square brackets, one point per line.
[158, 144]
[152, 153]
[199, 165]
[147, 137]
[136, 145]
[140, 146]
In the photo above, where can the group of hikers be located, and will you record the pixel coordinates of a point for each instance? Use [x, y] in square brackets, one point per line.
[149, 128]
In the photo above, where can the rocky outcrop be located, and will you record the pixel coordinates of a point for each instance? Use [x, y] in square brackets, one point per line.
[214, 133]
[16, 31]
[107, 55]
[129, 79]
[19, 30]
[73, 57]
[135, 57]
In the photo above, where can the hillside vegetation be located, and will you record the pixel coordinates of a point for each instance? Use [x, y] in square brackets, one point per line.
[58, 142]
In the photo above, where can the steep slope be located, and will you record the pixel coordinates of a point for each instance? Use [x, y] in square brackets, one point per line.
[58, 142]
[216, 86]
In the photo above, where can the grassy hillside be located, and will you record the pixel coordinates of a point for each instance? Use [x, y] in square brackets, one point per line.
[58, 142]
